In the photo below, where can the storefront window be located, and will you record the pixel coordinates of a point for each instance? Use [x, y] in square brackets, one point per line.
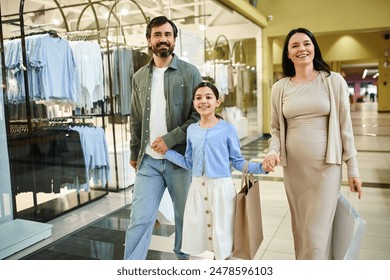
[223, 44]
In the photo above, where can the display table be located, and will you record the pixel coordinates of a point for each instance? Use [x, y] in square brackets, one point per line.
[19, 234]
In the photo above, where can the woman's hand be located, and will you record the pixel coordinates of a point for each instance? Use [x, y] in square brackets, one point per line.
[355, 185]
[269, 162]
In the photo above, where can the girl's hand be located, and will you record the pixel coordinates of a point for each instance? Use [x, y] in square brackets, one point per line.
[159, 146]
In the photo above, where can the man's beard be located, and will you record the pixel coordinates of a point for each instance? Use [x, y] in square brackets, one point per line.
[162, 52]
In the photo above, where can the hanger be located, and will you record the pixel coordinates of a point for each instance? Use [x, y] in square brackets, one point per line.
[53, 33]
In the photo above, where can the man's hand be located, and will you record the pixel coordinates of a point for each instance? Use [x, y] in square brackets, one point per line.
[159, 146]
[133, 163]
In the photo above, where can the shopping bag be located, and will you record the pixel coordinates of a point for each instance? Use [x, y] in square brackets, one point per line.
[348, 231]
[248, 226]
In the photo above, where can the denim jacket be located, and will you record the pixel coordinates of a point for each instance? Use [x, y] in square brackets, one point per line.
[180, 79]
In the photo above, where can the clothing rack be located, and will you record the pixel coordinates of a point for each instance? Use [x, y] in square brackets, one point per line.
[43, 27]
[42, 159]
[83, 35]
[30, 125]
[62, 119]
[52, 33]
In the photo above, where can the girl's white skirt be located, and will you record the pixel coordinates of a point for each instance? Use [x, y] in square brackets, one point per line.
[209, 217]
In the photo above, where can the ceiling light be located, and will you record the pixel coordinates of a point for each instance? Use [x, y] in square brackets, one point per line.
[124, 11]
[56, 21]
[364, 73]
[375, 76]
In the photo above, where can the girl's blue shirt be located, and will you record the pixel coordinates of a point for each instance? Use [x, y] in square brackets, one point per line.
[212, 152]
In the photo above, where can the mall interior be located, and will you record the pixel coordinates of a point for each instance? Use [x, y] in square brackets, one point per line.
[57, 204]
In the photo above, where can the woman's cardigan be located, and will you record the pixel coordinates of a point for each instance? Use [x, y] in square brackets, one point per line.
[340, 145]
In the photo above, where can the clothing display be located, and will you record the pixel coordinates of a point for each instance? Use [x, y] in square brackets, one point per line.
[49, 174]
[122, 74]
[50, 67]
[59, 156]
[121, 69]
[46, 159]
[59, 71]
[223, 74]
[65, 79]
[95, 152]
[89, 66]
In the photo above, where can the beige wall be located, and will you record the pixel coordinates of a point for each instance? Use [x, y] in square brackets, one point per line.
[347, 31]
[325, 16]
[344, 48]
[383, 87]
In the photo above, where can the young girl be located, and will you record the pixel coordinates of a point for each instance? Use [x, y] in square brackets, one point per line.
[212, 144]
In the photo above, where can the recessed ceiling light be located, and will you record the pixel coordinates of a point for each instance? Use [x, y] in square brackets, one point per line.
[364, 73]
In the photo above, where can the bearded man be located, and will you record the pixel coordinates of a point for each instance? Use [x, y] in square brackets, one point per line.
[161, 111]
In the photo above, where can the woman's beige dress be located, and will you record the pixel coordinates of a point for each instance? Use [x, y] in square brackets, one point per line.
[311, 185]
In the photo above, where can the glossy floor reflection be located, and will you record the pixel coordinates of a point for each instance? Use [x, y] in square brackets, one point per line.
[104, 238]
[97, 231]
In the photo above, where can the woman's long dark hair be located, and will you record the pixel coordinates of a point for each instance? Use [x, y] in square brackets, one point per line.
[318, 62]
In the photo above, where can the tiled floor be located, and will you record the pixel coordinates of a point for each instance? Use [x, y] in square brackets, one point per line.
[96, 231]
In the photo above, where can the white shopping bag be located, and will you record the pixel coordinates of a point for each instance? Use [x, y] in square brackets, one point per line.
[348, 231]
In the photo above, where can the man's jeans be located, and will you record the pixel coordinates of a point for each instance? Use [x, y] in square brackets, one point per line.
[152, 177]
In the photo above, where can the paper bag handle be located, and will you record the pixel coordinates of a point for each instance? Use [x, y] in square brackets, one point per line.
[245, 175]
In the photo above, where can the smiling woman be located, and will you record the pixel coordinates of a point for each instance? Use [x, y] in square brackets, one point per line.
[310, 108]
[301, 52]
